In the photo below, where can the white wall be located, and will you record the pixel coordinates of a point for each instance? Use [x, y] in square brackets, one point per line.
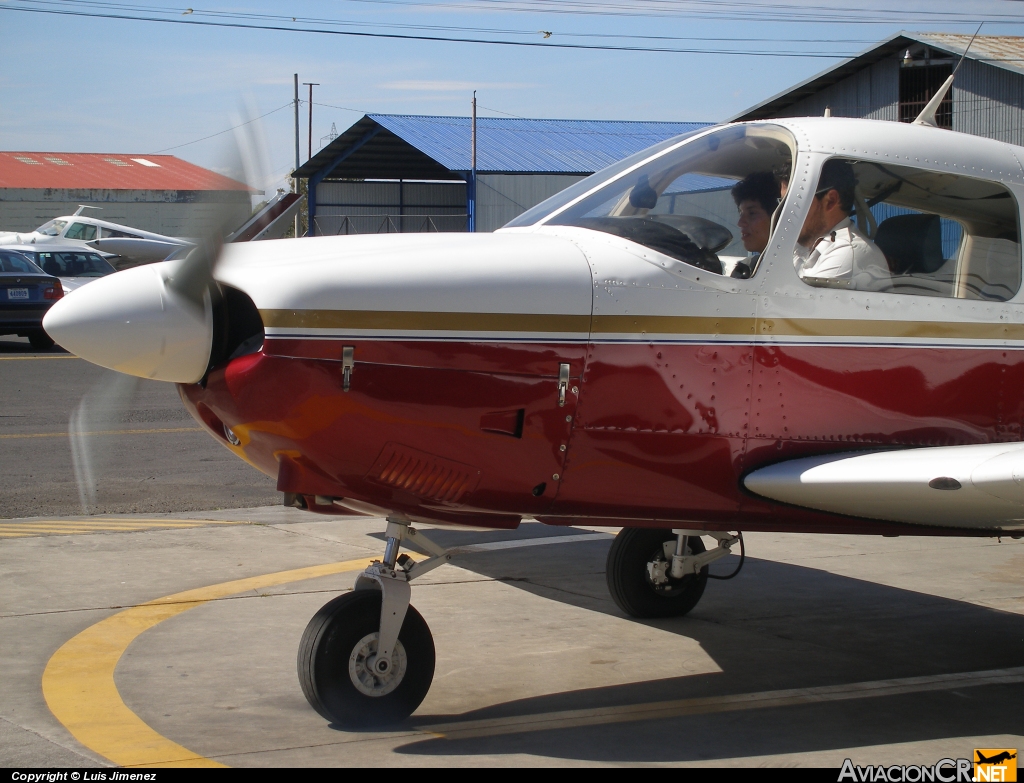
[175, 213]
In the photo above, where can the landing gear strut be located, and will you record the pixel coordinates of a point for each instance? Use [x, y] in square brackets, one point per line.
[661, 573]
[367, 657]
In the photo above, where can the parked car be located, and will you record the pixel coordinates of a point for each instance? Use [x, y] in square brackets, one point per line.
[26, 293]
[74, 266]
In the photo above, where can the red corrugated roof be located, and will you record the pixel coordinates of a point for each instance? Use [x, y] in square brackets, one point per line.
[89, 170]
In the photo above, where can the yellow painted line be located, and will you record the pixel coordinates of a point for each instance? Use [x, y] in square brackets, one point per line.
[31, 520]
[100, 432]
[124, 521]
[24, 358]
[663, 710]
[79, 687]
[49, 529]
[75, 529]
[83, 527]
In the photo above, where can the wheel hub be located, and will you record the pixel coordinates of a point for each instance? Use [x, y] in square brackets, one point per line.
[373, 677]
[659, 575]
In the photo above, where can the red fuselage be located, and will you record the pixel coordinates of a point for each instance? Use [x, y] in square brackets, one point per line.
[651, 434]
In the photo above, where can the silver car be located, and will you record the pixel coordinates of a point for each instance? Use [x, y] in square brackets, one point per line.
[74, 266]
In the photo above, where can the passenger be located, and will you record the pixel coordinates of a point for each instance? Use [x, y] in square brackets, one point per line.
[830, 247]
[756, 197]
[782, 175]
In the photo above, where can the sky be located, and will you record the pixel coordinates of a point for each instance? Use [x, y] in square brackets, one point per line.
[77, 83]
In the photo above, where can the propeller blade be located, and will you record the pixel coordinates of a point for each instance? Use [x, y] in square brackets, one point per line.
[247, 162]
[157, 321]
[153, 321]
[100, 411]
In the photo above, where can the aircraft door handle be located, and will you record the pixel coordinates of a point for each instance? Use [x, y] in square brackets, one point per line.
[348, 363]
[563, 383]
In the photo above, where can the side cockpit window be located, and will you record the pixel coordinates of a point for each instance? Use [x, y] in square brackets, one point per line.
[897, 229]
[707, 203]
[83, 231]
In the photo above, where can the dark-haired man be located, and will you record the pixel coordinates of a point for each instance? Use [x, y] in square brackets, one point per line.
[756, 197]
[830, 247]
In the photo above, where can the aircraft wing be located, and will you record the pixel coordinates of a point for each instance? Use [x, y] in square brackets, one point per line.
[962, 486]
[137, 251]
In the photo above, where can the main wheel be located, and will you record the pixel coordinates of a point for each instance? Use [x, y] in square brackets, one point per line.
[638, 578]
[334, 666]
[40, 340]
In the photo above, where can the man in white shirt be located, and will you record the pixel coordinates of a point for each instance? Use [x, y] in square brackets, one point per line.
[831, 250]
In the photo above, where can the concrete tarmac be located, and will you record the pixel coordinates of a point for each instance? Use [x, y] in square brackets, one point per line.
[883, 650]
[535, 664]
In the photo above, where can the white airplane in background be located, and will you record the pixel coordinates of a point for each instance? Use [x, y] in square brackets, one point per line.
[126, 247]
[134, 246]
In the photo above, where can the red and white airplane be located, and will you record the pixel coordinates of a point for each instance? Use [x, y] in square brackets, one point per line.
[593, 362]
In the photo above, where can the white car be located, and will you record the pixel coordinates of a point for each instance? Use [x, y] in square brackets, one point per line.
[72, 264]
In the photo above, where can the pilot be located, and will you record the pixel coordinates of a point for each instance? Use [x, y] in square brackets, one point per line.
[830, 247]
[756, 197]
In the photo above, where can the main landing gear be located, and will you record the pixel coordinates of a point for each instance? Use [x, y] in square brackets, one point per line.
[367, 657]
[662, 573]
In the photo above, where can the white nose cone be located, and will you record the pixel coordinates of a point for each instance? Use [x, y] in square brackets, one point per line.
[133, 323]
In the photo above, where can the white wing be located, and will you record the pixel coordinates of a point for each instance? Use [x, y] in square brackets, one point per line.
[962, 486]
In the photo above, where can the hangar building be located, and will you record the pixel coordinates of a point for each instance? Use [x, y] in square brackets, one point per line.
[894, 79]
[151, 192]
[409, 173]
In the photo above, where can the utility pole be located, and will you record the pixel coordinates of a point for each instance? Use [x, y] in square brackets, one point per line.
[295, 182]
[471, 195]
[311, 85]
[296, 99]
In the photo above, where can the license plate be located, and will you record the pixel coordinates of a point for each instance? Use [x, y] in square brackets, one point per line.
[17, 293]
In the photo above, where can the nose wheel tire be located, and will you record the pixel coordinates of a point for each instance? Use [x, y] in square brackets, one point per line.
[339, 674]
[629, 575]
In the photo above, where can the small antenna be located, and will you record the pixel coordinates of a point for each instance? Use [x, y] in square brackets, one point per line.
[927, 115]
[964, 55]
[84, 206]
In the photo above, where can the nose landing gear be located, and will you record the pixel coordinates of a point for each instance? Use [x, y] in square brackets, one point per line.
[367, 657]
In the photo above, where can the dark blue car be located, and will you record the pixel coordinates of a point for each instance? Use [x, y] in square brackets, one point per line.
[26, 293]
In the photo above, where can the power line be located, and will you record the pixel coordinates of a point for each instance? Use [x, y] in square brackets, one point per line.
[702, 8]
[221, 133]
[499, 111]
[455, 28]
[409, 37]
[343, 108]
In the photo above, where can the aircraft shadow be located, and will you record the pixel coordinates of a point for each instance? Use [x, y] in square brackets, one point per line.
[776, 626]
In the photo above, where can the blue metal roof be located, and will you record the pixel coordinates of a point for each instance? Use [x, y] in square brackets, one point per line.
[526, 145]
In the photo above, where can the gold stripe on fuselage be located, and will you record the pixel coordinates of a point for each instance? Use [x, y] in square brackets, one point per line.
[805, 327]
[636, 325]
[424, 321]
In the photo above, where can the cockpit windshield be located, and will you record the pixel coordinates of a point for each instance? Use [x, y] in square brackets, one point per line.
[52, 228]
[685, 202]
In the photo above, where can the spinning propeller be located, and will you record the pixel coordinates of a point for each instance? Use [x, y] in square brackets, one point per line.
[154, 321]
